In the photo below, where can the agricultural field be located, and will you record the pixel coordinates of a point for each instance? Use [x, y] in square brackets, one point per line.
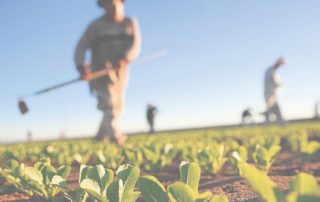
[258, 163]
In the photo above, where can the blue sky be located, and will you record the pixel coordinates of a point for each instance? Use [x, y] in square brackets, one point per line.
[218, 52]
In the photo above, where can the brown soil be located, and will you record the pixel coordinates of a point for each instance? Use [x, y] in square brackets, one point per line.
[14, 197]
[227, 182]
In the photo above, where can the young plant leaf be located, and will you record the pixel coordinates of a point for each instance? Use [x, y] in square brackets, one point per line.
[180, 192]
[219, 198]
[122, 190]
[190, 175]
[260, 182]
[303, 186]
[60, 183]
[33, 174]
[152, 190]
[106, 180]
[93, 188]
[64, 171]
[83, 172]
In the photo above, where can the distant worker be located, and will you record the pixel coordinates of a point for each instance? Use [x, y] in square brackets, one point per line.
[247, 116]
[62, 135]
[317, 110]
[271, 92]
[29, 136]
[151, 113]
[114, 41]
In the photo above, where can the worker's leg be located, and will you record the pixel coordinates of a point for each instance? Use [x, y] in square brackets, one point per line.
[106, 129]
[120, 84]
[267, 114]
[111, 107]
[277, 112]
[105, 105]
[110, 102]
[151, 124]
[270, 100]
[243, 120]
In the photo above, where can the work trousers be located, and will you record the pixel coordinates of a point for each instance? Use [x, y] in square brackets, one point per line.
[273, 109]
[109, 91]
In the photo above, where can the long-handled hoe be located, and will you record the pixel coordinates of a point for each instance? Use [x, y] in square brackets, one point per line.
[23, 107]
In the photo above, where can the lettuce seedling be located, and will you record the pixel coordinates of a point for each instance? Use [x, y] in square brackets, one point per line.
[303, 188]
[264, 157]
[190, 175]
[41, 181]
[168, 154]
[186, 190]
[11, 173]
[133, 156]
[82, 158]
[109, 157]
[242, 155]
[152, 155]
[260, 183]
[122, 190]
[299, 143]
[152, 190]
[46, 181]
[95, 181]
[212, 159]
[157, 157]
[98, 183]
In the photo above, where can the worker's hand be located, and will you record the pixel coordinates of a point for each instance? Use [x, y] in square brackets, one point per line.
[121, 63]
[111, 71]
[85, 72]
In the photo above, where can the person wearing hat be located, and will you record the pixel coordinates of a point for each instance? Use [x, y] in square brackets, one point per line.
[114, 41]
[272, 87]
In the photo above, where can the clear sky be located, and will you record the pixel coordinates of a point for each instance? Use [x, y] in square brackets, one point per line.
[218, 53]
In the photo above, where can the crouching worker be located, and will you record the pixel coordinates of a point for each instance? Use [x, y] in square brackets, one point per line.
[114, 41]
[246, 116]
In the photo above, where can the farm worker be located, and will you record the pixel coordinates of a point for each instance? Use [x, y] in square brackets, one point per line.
[271, 92]
[114, 41]
[29, 136]
[151, 113]
[246, 116]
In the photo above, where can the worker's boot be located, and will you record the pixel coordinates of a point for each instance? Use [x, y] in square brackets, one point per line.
[120, 139]
[103, 138]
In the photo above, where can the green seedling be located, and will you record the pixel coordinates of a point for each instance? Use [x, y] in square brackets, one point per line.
[242, 155]
[303, 188]
[264, 157]
[299, 143]
[186, 190]
[212, 159]
[98, 183]
[41, 181]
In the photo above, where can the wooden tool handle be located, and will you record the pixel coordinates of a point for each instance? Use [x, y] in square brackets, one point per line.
[98, 74]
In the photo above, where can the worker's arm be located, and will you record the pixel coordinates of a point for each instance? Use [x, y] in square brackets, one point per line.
[155, 111]
[276, 79]
[133, 49]
[80, 52]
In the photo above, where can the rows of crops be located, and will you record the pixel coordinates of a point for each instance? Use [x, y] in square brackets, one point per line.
[41, 170]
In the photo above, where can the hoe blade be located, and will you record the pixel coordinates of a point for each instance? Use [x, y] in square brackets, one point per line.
[23, 107]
